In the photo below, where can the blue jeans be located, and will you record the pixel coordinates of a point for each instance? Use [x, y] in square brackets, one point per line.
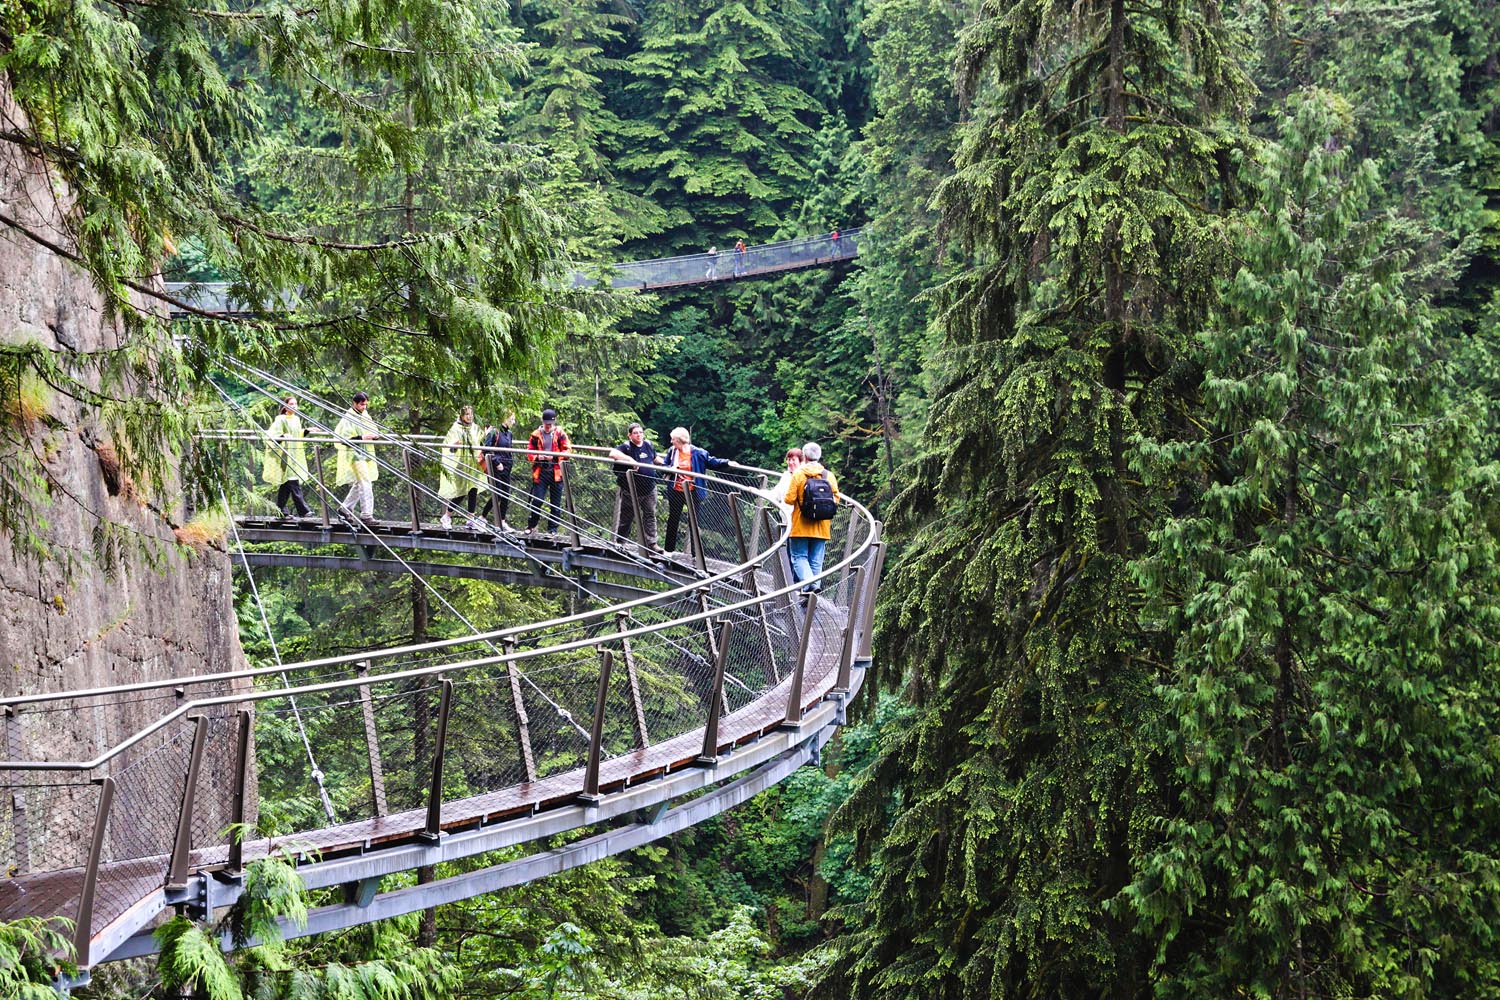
[807, 558]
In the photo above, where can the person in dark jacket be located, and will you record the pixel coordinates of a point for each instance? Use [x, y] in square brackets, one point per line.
[547, 449]
[498, 465]
[685, 458]
[636, 474]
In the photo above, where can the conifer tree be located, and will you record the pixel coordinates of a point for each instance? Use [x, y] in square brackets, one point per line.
[1088, 187]
[719, 127]
[1329, 709]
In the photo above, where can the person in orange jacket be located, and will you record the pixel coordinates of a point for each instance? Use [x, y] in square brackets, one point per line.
[814, 498]
[547, 449]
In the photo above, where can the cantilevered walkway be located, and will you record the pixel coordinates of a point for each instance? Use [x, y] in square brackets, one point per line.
[659, 677]
[724, 265]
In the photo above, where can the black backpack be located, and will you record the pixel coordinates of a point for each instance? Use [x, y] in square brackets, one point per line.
[818, 503]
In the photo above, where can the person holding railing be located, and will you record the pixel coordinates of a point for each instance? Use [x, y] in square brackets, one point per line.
[547, 449]
[285, 464]
[356, 465]
[636, 474]
[463, 462]
[739, 258]
[498, 463]
[685, 457]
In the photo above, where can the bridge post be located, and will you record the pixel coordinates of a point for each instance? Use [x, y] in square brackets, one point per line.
[83, 925]
[523, 722]
[372, 744]
[635, 502]
[755, 520]
[20, 836]
[846, 649]
[241, 783]
[867, 607]
[575, 540]
[710, 755]
[637, 708]
[182, 844]
[322, 490]
[411, 493]
[434, 826]
[739, 526]
[590, 792]
[695, 540]
[793, 718]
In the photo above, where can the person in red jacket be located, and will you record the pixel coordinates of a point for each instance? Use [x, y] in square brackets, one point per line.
[547, 449]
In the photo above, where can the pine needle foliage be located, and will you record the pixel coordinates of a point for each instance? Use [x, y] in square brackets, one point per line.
[29, 966]
[1088, 192]
[1329, 711]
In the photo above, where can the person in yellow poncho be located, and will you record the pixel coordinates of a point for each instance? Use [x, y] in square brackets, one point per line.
[463, 468]
[285, 464]
[356, 465]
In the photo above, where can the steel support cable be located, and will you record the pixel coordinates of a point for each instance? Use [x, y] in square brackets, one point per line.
[317, 772]
[562, 712]
[314, 399]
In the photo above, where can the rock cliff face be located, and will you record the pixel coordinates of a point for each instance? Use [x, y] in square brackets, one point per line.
[66, 622]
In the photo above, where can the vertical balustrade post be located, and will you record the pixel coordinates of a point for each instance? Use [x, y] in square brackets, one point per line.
[20, 835]
[237, 810]
[434, 826]
[867, 615]
[83, 925]
[411, 493]
[372, 744]
[793, 718]
[182, 844]
[575, 540]
[695, 540]
[739, 526]
[710, 754]
[596, 734]
[635, 502]
[518, 703]
[851, 631]
[322, 490]
[637, 707]
[781, 567]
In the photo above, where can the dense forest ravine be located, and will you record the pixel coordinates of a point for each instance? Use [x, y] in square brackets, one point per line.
[1166, 360]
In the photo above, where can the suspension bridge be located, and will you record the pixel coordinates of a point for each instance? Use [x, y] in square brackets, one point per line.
[726, 265]
[670, 687]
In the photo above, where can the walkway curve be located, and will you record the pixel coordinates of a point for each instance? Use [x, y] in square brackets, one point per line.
[713, 673]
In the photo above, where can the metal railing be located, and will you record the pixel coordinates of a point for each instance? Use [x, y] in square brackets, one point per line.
[407, 742]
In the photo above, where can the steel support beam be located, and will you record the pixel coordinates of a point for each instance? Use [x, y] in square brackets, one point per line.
[84, 923]
[710, 754]
[434, 828]
[590, 792]
[794, 694]
[237, 810]
[182, 844]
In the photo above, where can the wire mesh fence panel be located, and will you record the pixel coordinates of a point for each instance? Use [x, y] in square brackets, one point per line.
[485, 748]
[725, 264]
[559, 725]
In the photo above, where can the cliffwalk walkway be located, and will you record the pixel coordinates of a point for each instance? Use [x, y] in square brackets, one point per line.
[725, 265]
[664, 674]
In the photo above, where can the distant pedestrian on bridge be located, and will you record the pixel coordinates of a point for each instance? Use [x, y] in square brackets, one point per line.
[836, 241]
[463, 463]
[356, 465]
[547, 449]
[285, 464]
[712, 271]
[814, 497]
[739, 258]
[499, 463]
[686, 458]
[636, 474]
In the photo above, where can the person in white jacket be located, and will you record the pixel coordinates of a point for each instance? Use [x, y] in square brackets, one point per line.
[778, 492]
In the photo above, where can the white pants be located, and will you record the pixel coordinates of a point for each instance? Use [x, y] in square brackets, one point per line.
[362, 492]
